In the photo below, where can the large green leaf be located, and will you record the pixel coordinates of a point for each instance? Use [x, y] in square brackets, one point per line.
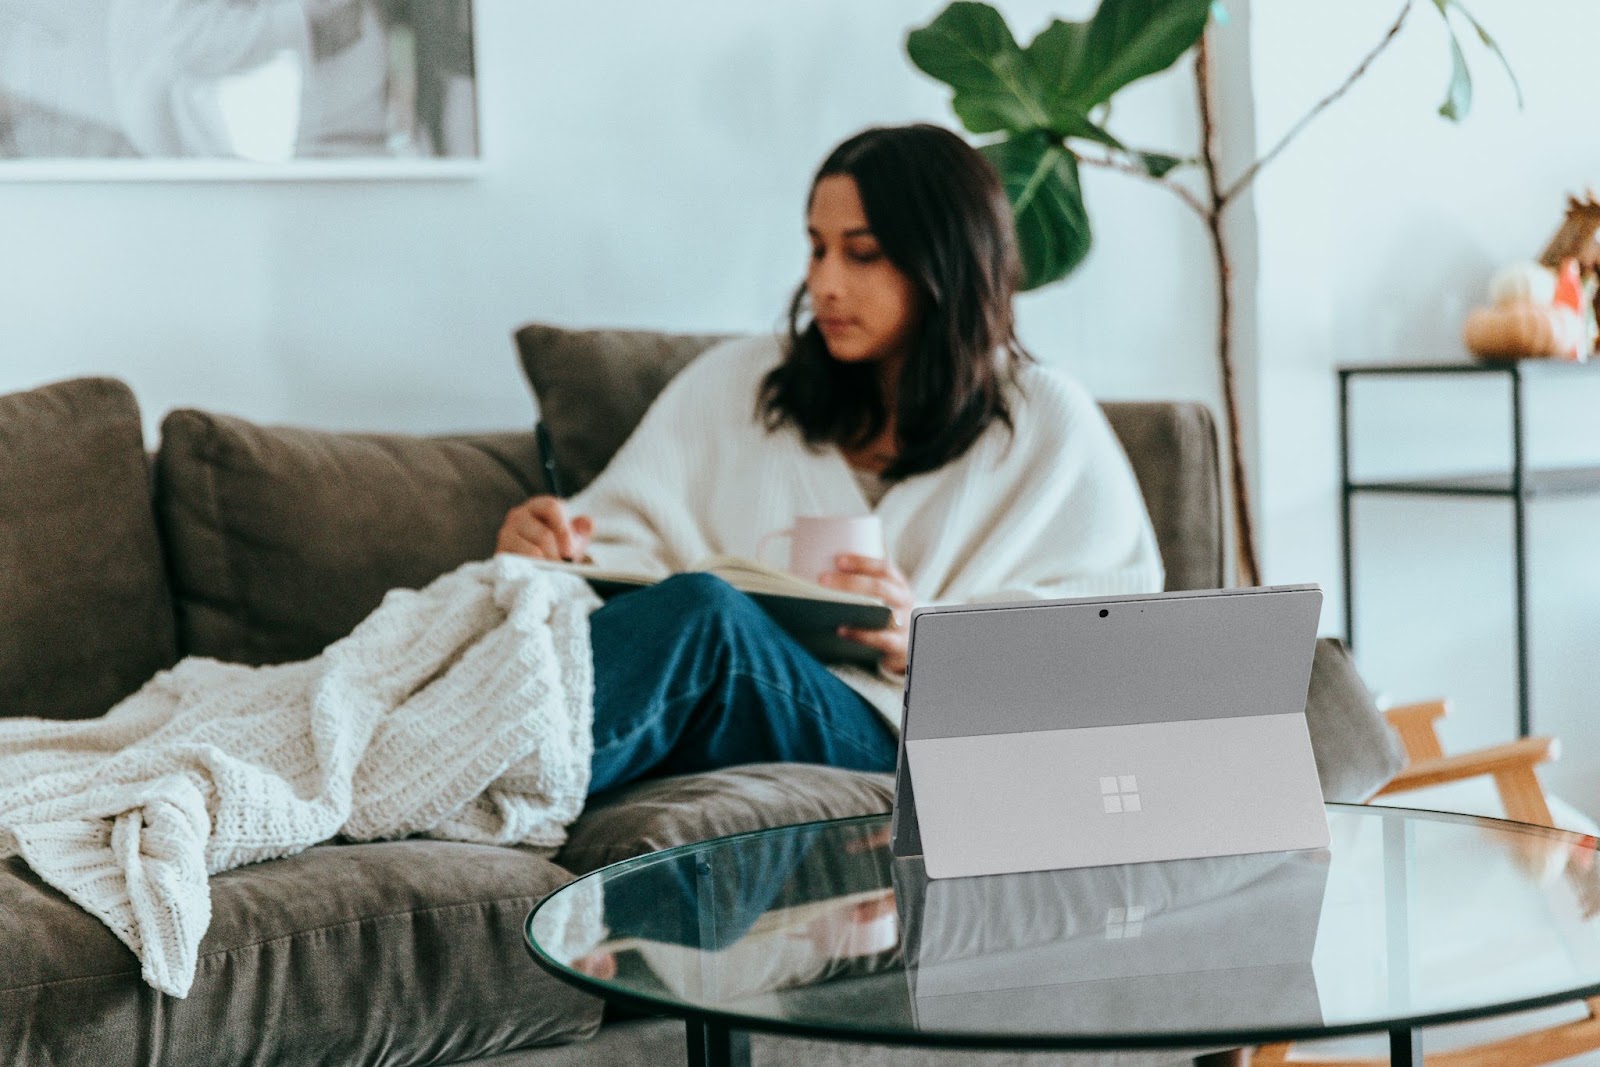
[1131, 39]
[970, 48]
[1041, 180]
[992, 113]
[963, 45]
[1056, 56]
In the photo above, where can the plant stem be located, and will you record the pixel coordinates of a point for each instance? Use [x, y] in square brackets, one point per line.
[1249, 566]
[1322, 105]
[1126, 167]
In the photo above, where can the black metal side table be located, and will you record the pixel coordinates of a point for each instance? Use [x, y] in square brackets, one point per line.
[1521, 484]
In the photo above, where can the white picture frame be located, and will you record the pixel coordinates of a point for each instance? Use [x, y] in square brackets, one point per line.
[243, 90]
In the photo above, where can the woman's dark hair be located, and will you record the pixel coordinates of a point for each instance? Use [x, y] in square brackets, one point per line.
[939, 213]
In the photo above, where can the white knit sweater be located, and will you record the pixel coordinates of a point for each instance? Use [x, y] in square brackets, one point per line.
[461, 711]
[1052, 510]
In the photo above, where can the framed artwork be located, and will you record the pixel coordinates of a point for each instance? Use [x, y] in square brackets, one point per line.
[248, 89]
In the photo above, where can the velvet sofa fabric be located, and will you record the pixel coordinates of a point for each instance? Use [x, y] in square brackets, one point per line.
[85, 613]
[283, 539]
[652, 815]
[593, 387]
[405, 952]
[1173, 450]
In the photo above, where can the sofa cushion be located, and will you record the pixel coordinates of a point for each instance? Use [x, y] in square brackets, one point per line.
[1355, 748]
[677, 810]
[85, 615]
[1173, 450]
[593, 387]
[405, 952]
[281, 540]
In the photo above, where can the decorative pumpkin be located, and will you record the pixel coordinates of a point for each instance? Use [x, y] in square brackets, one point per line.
[1523, 329]
[1522, 283]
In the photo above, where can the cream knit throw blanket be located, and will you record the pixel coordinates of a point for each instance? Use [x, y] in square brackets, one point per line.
[461, 711]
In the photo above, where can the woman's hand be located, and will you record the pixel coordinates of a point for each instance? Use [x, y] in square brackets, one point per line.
[539, 528]
[881, 579]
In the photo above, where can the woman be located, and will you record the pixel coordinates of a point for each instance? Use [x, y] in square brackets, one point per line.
[900, 389]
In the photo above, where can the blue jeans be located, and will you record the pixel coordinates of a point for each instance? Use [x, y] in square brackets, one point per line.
[690, 675]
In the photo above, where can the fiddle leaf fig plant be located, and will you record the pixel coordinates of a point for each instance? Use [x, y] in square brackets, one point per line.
[1048, 94]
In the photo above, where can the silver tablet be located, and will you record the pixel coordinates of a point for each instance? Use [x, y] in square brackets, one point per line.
[1076, 733]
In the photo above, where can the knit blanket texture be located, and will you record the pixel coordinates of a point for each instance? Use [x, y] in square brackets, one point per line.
[463, 711]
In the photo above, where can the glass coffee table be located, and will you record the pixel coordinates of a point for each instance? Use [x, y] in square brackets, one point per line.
[1408, 919]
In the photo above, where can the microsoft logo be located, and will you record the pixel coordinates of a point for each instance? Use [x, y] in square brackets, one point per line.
[1120, 793]
[1126, 922]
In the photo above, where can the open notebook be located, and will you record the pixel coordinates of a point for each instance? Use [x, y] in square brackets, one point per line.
[811, 613]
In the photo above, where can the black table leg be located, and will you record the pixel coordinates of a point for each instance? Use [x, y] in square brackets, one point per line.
[714, 1045]
[1405, 1048]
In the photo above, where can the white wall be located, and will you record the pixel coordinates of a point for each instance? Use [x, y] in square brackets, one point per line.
[1379, 229]
[646, 165]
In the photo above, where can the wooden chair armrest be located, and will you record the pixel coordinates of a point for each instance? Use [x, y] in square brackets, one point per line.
[1511, 765]
[1415, 725]
[1496, 759]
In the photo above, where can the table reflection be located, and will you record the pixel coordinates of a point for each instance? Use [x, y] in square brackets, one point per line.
[1228, 939]
[792, 909]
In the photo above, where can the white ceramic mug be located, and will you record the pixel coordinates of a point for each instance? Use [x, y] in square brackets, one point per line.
[815, 541]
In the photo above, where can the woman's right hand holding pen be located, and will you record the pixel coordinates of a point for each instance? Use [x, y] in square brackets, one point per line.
[539, 527]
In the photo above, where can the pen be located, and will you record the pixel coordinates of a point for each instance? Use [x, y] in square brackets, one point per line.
[547, 460]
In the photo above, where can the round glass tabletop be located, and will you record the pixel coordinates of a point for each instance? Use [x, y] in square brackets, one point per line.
[1409, 918]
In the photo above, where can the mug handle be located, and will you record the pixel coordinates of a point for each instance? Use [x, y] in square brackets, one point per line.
[767, 539]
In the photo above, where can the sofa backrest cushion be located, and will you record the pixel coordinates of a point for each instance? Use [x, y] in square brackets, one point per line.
[283, 539]
[593, 387]
[85, 615]
[1172, 446]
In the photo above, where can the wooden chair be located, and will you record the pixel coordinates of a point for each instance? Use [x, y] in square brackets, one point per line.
[1512, 767]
